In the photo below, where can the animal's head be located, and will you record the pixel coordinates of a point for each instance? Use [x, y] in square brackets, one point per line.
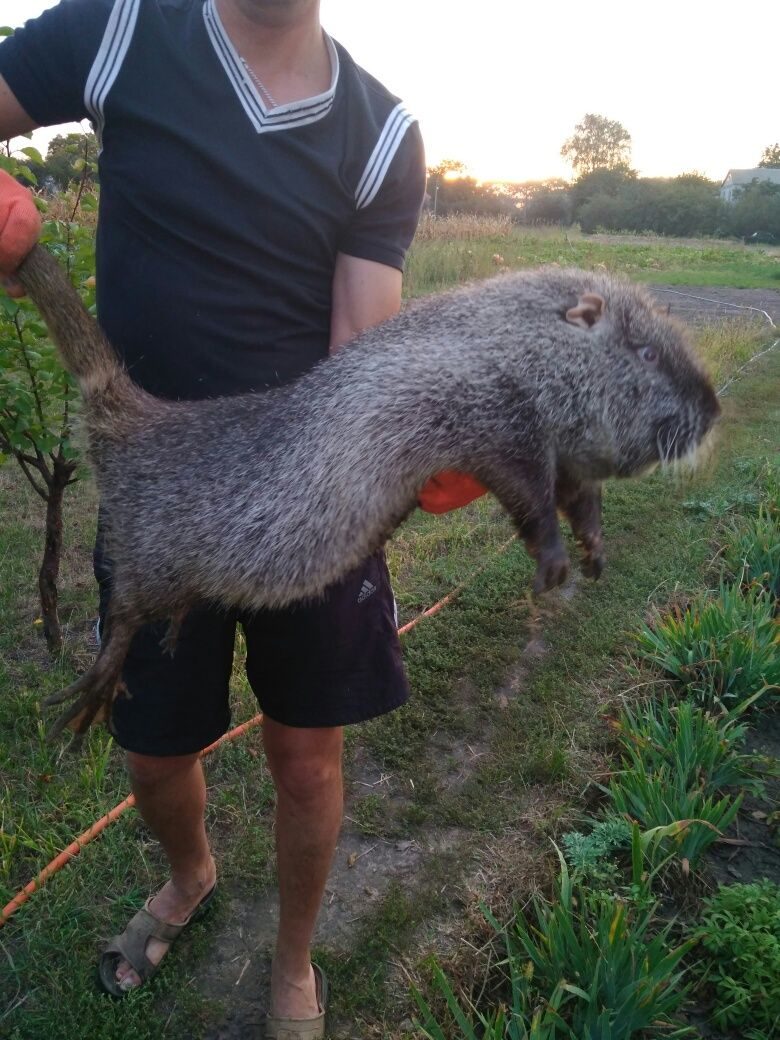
[656, 399]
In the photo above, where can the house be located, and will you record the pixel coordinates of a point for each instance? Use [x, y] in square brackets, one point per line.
[742, 178]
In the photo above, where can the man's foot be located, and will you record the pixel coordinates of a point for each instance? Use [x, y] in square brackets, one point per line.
[294, 997]
[298, 1008]
[174, 906]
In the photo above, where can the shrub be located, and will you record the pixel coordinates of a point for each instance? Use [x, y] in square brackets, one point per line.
[740, 930]
[589, 855]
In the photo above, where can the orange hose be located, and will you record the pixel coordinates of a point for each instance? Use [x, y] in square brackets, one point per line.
[452, 595]
[100, 825]
[92, 832]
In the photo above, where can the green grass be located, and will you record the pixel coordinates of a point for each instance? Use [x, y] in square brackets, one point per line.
[435, 263]
[486, 736]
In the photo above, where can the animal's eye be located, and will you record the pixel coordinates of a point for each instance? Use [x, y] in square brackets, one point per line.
[648, 354]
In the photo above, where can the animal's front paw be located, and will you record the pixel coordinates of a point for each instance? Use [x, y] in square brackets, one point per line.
[552, 570]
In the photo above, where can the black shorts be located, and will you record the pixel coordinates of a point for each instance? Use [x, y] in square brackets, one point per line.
[328, 662]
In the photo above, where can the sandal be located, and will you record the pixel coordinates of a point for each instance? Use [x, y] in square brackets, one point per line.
[302, 1028]
[131, 944]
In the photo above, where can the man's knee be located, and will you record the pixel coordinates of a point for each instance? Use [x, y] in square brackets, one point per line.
[305, 763]
[152, 770]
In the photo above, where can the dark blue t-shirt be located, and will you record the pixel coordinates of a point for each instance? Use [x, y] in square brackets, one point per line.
[220, 220]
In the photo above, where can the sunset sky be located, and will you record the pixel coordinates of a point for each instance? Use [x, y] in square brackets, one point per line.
[499, 84]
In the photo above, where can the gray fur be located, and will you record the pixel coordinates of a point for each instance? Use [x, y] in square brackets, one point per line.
[263, 499]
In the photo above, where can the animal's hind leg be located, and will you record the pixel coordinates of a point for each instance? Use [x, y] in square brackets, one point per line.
[99, 685]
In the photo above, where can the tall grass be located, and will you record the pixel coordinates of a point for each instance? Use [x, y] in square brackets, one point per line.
[586, 964]
[721, 651]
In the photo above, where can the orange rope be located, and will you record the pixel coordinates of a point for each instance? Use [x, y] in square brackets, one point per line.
[100, 825]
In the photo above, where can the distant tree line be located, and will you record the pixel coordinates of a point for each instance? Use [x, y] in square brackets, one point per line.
[607, 194]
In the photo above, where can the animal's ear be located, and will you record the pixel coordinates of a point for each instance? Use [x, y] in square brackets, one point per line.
[590, 309]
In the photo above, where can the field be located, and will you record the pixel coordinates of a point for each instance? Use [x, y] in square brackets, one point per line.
[453, 802]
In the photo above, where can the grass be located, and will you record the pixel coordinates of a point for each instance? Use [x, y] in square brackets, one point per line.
[719, 650]
[460, 253]
[492, 737]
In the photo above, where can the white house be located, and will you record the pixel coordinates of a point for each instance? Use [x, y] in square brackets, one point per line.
[741, 178]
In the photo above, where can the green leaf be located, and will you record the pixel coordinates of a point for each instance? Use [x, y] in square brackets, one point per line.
[32, 153]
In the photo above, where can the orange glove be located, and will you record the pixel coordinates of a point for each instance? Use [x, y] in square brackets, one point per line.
[20, 228]
[449, 490]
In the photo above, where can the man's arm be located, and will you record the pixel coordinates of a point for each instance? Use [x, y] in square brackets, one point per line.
[365, 293]
[13, 118]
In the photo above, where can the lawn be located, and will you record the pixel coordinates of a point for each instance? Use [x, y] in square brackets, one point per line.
[451, 800]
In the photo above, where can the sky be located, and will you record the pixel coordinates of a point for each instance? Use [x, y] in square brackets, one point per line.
[500, 84]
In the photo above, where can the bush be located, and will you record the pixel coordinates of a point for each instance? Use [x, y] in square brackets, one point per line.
[590, 855]
[740, 931]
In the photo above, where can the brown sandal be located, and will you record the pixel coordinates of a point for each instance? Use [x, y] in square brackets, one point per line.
[302, 1028]
[131, 944]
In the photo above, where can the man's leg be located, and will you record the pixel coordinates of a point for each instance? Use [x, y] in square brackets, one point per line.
[306, 768]
[170, 794]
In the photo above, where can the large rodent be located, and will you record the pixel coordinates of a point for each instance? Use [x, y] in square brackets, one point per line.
[540, 384]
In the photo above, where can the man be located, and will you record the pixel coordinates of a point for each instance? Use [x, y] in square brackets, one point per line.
[258, 193]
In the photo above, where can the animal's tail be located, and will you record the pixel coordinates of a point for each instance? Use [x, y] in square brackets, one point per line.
[86, 352]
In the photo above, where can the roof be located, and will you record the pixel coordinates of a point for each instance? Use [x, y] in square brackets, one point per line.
[761, 173]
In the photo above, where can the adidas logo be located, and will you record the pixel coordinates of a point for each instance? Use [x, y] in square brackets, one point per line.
[367, 590]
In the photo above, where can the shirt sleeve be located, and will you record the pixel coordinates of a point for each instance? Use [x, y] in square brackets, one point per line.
[46, 63]
[383, 229]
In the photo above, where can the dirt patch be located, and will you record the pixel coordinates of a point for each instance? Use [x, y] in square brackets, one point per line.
[758, 823]
[699, 305]
[243, 937]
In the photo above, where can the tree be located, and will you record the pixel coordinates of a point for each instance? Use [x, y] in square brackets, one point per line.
[597, 143]
[37, 396]
[70, 158]
[770, 159]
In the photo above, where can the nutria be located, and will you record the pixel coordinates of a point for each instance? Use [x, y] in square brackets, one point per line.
[540, 384]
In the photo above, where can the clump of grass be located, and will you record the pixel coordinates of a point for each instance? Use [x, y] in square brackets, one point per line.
[725, 345]
[586, 964]
[752, 550]
[694, 818]
[676, 761]
[722, 651]
[740, 931]
[702, 751]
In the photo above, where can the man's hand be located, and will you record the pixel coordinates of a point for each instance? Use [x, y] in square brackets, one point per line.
[20, 228]
[449, 490]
